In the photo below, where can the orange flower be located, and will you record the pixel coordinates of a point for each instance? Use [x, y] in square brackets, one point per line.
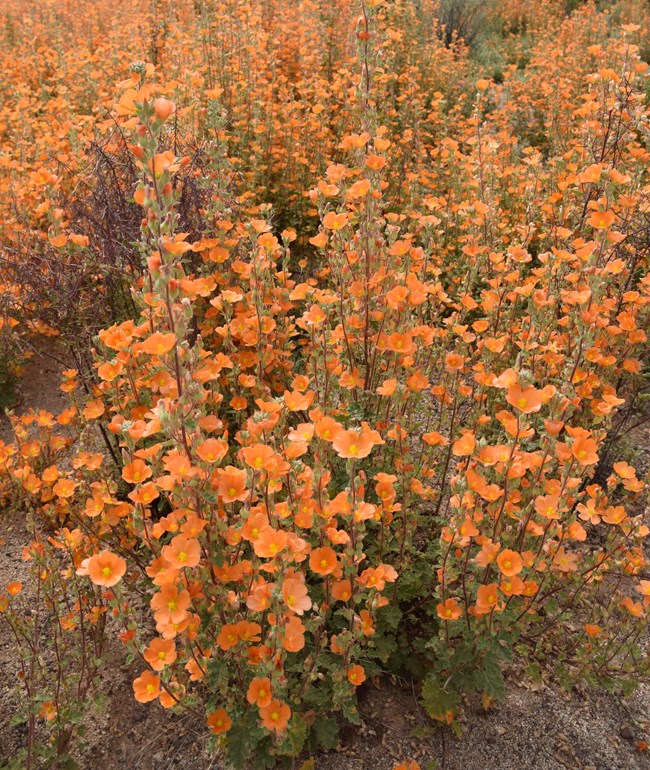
[270, 543]
[356, 675]
[257, 456]
[259, 692]
[15, 587]
[434, 438]
[106, 568]
[64, 488]
[212, 450]
[385, 487]
[464, 446]
[342, 590]
[178, 464]
[160, 653]
[146, 687]
[375, 162]
[170, 605]
[487, 598]
[295, 595]
[634, 608]
[228, 636]
[450, 610]
[526, 400]
[136, 472]
[624, 470]
[169, 699]
[294, 635]
[565, 561]
[334, 221]
[296, 401]
[548, 506]
[510, 562]
[377, 577]
[93, 409]
[396, 296]
[182, 552]
[259, 598]
[232, 484]
[248, 632]
[158, 344]
[145, 494]
[454, 362]
[401, 343]
[512, 586]
[601, 220]
[48, 710]
[388, 387]
[323, 560]
[163, 108]
[275, 717]
[365, 623]
[219, 721]
[327, 428]
[353, 444]
[584, 450]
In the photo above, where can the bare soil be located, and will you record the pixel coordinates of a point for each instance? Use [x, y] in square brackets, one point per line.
[538, 727]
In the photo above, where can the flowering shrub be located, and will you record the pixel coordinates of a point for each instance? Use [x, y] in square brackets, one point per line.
[371, 443]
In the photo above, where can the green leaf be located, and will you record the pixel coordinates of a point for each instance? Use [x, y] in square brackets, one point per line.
[296, 737]
[242, 738]
[436, 700]
[534, 672]
[326, 733]
[490, 680]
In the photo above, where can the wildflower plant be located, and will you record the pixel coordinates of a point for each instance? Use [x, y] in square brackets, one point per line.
[363, 430]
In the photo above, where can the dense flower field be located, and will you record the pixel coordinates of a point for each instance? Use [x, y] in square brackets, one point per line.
[358, 294]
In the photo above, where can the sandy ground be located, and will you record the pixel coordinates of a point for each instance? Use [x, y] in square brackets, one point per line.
[538, 727]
